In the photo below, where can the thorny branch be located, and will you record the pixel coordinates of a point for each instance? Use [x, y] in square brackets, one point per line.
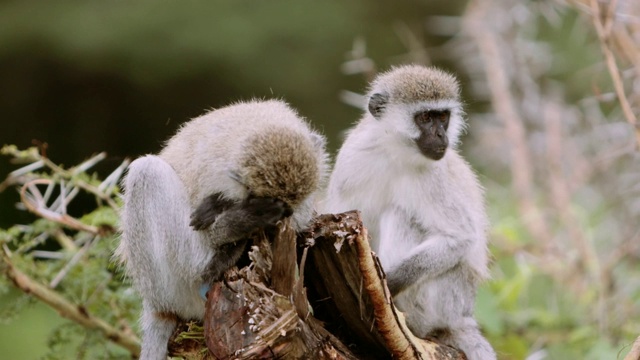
[36, 161]
[39, 201]
[35, 202]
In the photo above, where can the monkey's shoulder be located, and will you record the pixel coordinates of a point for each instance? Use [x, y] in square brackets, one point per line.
[460, 171]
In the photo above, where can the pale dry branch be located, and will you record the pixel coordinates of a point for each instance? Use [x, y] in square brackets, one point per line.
[74, 260]
[37, 161]
[616, 38]
[634, 354]
[17, 176]
[561, 193]
[603, 29]
[498, 80]
[102, 191]
[87, 164]
[65, 241]
[33, 200]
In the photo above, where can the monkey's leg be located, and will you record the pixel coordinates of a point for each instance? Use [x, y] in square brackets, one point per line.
[454, 294]
[466, 336]
[157, 328]
[163, 255]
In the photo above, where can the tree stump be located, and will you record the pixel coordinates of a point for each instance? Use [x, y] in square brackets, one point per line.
[318, 295]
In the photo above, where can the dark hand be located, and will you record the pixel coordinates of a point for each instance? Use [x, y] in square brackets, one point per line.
[266, 211]
[210, 208]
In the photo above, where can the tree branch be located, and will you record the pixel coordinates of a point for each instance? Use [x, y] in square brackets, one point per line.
[604, 34]
[76, 313]
[634, 354]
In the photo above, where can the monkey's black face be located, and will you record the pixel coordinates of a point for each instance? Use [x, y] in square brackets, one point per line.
[433, 140]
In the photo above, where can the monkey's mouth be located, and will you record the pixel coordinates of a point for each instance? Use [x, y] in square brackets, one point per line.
[434, 153]
[438, 153]
[431, 149]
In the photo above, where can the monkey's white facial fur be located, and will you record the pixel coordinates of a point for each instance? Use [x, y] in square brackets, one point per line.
[421, 104]
[399, 117]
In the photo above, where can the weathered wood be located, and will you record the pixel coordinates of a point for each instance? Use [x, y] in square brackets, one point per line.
[283, 273]
[323, 299]
[351, 289]
[336, 286]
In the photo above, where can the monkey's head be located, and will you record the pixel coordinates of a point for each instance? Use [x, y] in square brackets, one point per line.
[419, 103]
[283, 163]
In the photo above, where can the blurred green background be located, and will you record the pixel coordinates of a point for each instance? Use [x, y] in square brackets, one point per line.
[121, 76]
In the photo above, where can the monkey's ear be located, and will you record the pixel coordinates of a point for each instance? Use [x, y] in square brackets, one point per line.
[377, 104]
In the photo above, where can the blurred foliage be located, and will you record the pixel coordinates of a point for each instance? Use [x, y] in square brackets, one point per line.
[562, 193]
[121, 76]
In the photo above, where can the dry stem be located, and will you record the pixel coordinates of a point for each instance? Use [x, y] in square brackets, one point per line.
[603, 29]
[506, 110]
[634, 354]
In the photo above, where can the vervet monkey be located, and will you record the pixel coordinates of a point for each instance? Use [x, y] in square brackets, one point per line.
[420, 201]
[189, 211]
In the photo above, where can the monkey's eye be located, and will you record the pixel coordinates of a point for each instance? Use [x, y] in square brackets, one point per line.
[423, 117]
[444, 117]
[441, 117]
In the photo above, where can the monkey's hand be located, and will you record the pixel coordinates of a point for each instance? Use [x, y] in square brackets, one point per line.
[259, 211]
[226, 256]
[229, 222]
[265, 211]
[396, 282]
[210, 208]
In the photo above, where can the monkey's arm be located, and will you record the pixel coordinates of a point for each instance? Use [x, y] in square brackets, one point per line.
[436, 253]
[210, 208]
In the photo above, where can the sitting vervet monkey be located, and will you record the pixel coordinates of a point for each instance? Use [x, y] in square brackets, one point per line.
[420, 201]
[189, 211]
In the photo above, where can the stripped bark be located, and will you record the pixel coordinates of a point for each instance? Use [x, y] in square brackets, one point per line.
[331, 302]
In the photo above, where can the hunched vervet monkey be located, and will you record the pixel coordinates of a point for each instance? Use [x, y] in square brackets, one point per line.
[421, 202]
[189, 210]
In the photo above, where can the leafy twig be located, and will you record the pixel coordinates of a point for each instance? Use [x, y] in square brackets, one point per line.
[76, 313]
